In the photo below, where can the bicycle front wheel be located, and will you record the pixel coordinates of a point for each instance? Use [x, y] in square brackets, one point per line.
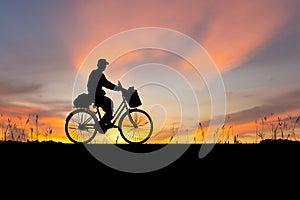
[81, 126]
[136, 126]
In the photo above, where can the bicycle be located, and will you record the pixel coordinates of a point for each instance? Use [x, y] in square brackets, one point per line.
[134, 125]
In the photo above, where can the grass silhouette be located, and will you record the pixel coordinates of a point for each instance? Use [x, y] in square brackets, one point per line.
[269, 129]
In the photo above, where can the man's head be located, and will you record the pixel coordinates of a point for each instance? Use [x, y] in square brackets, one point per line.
[102, 63]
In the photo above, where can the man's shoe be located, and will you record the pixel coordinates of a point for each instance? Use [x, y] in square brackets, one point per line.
[103, 128]
[110, 125]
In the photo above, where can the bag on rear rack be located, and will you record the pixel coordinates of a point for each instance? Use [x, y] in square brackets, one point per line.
[82, 101]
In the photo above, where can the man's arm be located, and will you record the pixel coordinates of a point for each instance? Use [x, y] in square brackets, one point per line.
[108, 84]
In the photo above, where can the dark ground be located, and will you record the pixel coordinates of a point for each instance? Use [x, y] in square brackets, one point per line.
[260, 164]
[44, 156]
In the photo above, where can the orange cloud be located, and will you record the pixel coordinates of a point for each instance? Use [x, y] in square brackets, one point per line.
[231, 31]
[87, 25]
[238, 29]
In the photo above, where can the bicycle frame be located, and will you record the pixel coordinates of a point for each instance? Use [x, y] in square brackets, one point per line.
[123, 106]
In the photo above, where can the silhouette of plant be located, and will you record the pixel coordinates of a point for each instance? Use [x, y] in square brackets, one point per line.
[236, 140]
[117, 139]
[222, 134]
[202, 133]
[174, 131]
[228, 135]
[280, 126]
[293, 125]
[31, 134]
[216, 135]
[22, 137]
[6, 130]
[225, 135]
[285, 126]
[37, 133]
[12, 128]
[47, 134]
[259, 133]
[171, 139]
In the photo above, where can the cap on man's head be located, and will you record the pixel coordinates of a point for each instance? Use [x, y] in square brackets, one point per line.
[102, 61]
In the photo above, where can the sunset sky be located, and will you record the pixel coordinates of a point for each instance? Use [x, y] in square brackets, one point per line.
[254, 44]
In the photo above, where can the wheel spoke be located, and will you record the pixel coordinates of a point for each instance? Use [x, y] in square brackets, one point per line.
[88, 120]
[72, 127]
[138, 132]
[75, 121]
[80, 126]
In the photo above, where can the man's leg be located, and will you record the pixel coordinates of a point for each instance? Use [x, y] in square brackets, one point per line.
[107, 107]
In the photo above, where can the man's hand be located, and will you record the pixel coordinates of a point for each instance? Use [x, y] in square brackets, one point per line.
[118, 88]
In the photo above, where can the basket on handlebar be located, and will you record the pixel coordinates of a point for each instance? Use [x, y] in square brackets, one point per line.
[132, 97]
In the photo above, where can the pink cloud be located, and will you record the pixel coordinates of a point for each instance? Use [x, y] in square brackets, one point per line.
[234, 30]
[239, 30]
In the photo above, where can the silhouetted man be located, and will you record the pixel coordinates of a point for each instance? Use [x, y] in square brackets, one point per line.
[96, 82]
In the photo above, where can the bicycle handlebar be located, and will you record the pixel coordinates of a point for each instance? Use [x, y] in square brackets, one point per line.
[123, 90]
[119, 84]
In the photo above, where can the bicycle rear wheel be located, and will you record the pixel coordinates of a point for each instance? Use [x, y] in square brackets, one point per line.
[81, 126]
[136, 127]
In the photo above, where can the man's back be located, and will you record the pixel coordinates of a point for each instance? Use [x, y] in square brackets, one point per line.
[96, 81]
